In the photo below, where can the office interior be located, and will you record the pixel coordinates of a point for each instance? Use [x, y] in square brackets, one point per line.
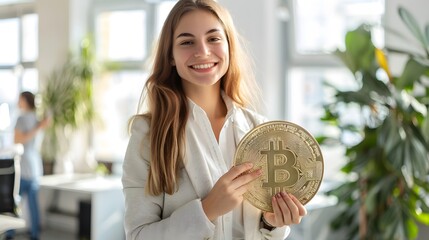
[291, 42]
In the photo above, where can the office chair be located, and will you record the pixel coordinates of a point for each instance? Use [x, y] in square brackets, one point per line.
[9, 193]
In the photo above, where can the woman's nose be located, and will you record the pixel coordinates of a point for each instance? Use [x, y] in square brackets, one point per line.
[202, 50]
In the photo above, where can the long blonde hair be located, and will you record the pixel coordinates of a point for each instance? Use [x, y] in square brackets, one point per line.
[167, 102]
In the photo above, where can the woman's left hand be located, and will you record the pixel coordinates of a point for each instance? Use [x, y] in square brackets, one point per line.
[287, 210]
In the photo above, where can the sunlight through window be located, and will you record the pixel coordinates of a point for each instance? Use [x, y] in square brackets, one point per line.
[122, 35]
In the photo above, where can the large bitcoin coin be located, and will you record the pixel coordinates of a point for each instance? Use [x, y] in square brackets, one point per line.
[290, 158]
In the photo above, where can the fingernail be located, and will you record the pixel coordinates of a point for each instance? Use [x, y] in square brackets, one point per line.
[250, 165]
[283, 194]
[259, 171]
[278, 195]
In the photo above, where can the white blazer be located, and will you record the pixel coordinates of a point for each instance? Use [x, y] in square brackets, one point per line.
[180, 216]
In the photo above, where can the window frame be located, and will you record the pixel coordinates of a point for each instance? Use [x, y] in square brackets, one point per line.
[302, 60]
[101, 6]
[295, 61]
[151, 14]
[16, 11]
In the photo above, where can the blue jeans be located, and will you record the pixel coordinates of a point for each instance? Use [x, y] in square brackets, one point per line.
[31, 189]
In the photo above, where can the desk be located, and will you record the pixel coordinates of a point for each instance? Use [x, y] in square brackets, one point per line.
[104, 194]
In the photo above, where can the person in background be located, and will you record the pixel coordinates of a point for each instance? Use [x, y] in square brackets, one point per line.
[26, 129]
[178, 179]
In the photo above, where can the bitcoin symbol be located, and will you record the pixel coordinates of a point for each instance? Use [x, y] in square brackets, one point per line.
[281, 167]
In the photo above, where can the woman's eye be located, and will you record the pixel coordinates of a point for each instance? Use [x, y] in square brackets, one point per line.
[214, 39]
[186, 43]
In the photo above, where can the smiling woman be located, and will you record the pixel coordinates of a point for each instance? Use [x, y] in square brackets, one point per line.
[179, 179]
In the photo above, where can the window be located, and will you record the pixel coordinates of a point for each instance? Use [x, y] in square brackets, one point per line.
[117, 94]
[10, 39]
[320, 26]
[30, 39]
[119, 43]
[162, 11]
[124, 51]
[18, 48]
[316, 29]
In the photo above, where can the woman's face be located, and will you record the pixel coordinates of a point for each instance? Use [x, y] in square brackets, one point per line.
[22, 104]
[200, 50]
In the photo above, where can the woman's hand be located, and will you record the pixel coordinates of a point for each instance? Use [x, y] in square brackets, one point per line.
[228, 191]
[287, 210]
[44, 123]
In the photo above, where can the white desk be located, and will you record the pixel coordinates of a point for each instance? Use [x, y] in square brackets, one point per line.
[104, 193]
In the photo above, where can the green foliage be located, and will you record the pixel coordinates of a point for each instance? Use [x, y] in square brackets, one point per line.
[67, 98]
[390, 163]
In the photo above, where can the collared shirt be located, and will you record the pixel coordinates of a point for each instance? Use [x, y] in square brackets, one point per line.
[221, 159]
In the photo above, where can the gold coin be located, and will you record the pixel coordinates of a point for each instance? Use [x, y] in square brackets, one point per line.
[290, 158]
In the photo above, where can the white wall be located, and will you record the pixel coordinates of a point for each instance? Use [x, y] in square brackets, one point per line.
[53, 35]
[62, 24]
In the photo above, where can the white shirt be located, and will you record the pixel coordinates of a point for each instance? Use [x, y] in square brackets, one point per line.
[221, 161]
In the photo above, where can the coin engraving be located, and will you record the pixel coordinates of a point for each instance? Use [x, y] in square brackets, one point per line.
[290, 158]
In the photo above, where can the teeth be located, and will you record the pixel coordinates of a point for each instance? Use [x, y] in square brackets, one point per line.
[203, 66]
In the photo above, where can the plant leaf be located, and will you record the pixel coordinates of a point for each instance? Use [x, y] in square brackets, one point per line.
[412, 25]
[351, 65]
[360, 49]
[412, 229]
[359, 97]
[425, 128]
[382, 61]
[413, 70]
[402, 51]
[422, 217]
[427, 33]
[371, 84]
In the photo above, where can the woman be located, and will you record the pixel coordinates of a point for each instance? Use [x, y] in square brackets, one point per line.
[26, 129]
[178, 178]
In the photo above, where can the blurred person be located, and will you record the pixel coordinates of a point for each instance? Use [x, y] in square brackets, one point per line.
[26, 129]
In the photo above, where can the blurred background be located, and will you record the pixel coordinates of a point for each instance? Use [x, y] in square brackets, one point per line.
[47, 45]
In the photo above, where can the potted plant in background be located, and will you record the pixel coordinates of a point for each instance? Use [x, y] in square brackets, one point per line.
[385, 194]
[67, 97]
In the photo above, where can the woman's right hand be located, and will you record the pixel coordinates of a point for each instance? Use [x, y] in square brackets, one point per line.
[44, 123]
[228, 191]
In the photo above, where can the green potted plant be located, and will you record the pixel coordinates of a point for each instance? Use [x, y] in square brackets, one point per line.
[67, 98]
[385, 194]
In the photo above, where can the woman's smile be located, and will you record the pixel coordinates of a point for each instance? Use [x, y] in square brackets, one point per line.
[204, 66]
